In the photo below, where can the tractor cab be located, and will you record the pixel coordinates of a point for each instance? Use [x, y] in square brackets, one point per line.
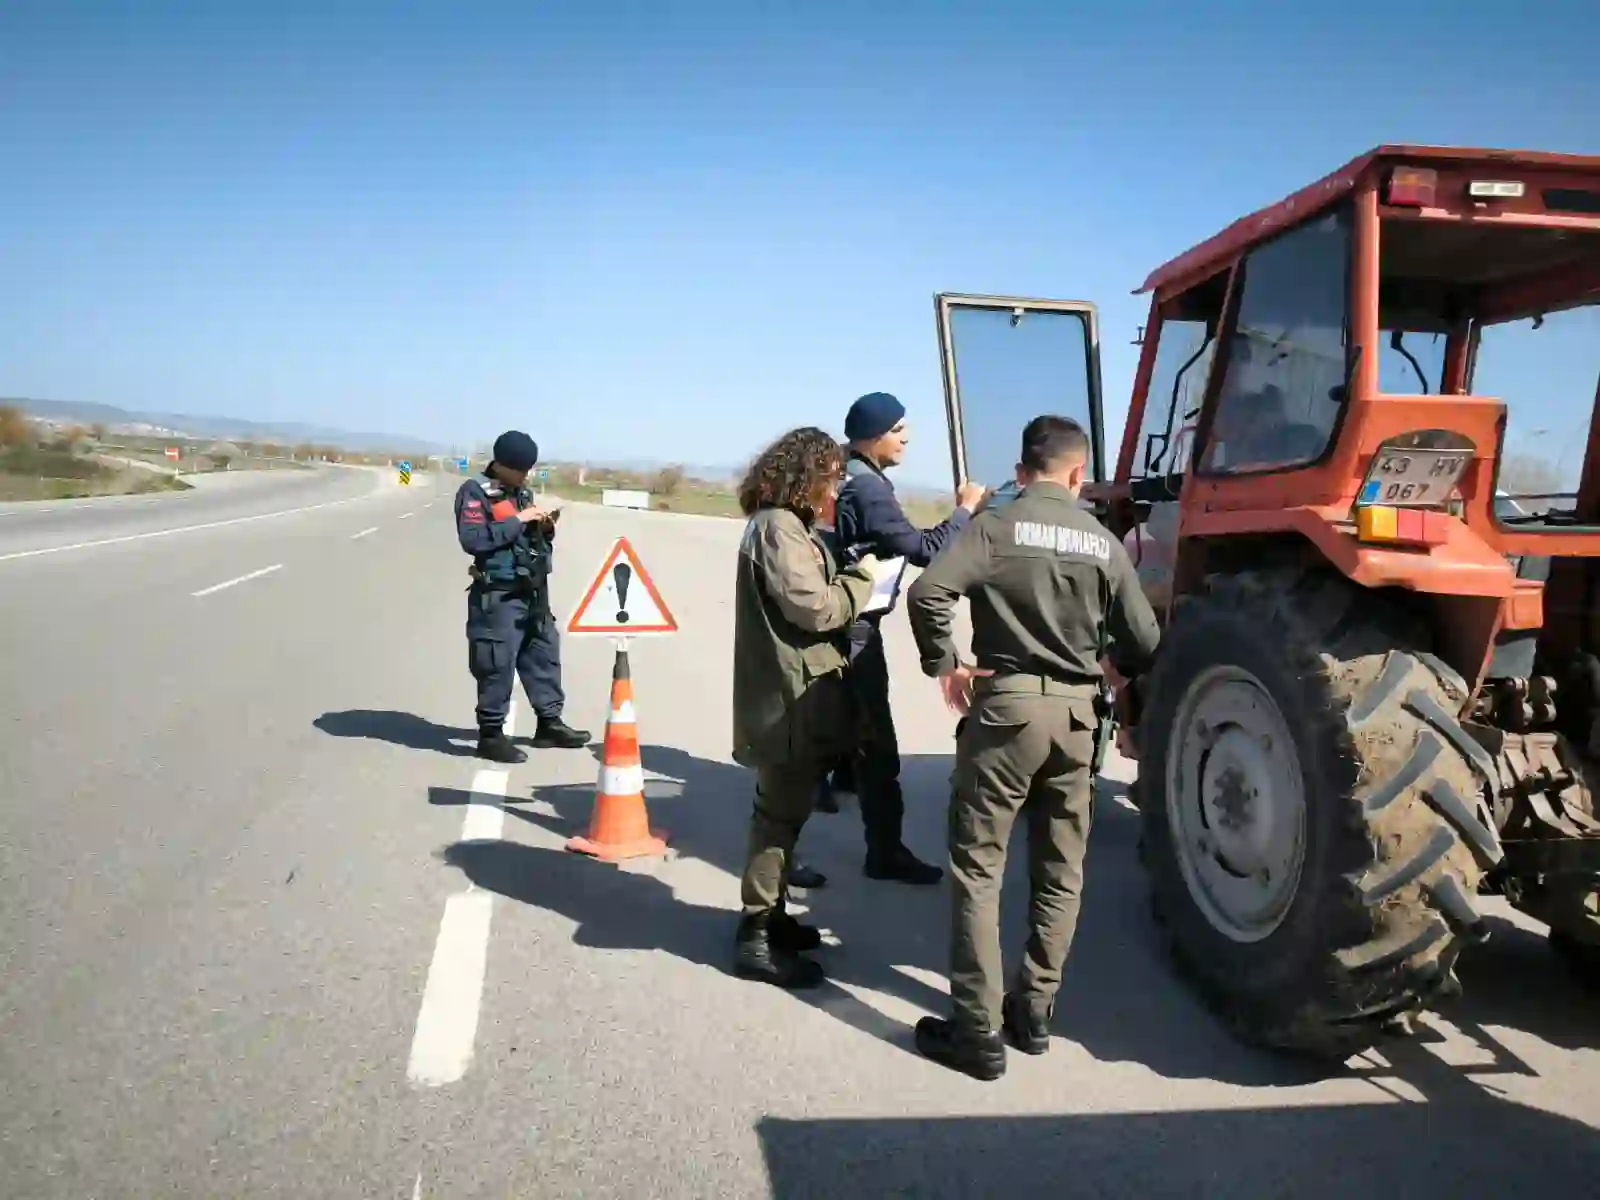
[1363, 446]
[1389, 338]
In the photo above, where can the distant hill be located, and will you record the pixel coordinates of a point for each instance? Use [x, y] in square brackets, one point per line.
[231, 428]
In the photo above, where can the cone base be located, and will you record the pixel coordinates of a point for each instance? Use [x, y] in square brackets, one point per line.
[613, 851]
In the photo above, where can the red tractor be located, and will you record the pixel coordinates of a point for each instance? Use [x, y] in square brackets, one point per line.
[1378, 693]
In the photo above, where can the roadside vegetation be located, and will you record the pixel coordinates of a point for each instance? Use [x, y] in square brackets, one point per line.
[36, 464]
[44, 461]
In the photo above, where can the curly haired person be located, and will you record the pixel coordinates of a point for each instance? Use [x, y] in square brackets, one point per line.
[793, 607]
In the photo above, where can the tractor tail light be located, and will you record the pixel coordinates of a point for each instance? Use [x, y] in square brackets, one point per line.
[1402, 526]
[1413, 187]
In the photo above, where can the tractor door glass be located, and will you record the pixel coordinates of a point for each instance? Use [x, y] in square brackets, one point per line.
[1008, 361]
[1286, 363]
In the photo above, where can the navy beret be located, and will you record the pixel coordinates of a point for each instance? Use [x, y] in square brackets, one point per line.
[872, 416]
[516, 450]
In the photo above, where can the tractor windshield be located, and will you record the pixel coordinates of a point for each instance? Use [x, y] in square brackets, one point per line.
[1460, 310]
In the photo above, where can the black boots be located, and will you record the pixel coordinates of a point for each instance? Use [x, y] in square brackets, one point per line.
[556, 734]
[1027, 1026]
[494, 745]
[767, 949]
[899, 865]
[980, 1055]
[553, 734]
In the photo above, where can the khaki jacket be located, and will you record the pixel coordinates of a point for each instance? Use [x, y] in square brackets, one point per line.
[792, 612]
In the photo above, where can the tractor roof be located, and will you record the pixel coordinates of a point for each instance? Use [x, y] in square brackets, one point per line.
[1265, 222]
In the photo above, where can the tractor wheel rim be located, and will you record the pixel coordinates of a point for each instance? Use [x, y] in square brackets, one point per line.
[1236, 803]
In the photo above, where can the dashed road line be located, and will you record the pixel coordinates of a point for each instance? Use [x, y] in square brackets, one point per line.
[364, 532]
[447, 1022]
[407, 516]
[217, 587]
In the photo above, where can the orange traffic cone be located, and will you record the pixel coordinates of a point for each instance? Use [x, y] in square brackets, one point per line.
[620, 826]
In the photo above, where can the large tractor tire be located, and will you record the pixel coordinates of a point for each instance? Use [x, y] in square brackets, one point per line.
[1313, 823]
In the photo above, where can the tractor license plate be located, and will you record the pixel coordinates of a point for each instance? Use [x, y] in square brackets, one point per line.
[1413, 478]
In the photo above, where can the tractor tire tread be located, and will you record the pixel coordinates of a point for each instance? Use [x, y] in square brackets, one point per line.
[1379, 921]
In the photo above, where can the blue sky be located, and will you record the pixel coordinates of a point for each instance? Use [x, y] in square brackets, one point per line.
[671, 229]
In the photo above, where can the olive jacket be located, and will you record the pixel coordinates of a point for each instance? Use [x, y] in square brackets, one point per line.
[793, 608]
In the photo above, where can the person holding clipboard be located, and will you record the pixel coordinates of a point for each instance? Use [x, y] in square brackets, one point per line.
[869, 520]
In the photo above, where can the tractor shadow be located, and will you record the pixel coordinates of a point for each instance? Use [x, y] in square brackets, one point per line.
[1493, 1149]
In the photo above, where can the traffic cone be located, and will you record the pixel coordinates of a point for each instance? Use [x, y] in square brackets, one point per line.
[620, 826]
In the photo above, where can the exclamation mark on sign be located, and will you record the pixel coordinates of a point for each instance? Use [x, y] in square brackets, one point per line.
[622, 572]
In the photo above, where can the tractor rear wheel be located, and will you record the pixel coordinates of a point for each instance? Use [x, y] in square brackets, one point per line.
[1313, 825]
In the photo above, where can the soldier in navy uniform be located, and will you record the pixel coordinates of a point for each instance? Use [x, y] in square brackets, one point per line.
[511, 630]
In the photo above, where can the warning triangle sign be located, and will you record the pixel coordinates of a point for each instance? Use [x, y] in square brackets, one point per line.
[622, 601]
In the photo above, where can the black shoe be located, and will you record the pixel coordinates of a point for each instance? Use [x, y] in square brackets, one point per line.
[802, 876]
[789, 935]
[756, 956]
[494, 745]
[901, 866]
[556, 734]
[980, 1055]
[843, 778]
[1026, 1026]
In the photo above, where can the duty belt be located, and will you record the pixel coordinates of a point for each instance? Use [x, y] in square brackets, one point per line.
[523, 583]
[1038, 685]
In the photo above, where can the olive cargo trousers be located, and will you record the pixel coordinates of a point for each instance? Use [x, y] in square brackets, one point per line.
[785, 797]
[1026, 747]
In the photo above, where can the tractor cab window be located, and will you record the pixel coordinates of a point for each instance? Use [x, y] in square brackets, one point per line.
[1410, 359]
[1186, 342]
[1286, 361]
[1545, 369]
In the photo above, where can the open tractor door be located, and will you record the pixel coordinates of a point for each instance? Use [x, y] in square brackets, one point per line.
[1378, 694]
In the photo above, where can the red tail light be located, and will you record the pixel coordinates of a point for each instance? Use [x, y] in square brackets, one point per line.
[1413, 187]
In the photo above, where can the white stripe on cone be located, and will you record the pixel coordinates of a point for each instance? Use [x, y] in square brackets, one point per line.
[622, 780]
[623, 713]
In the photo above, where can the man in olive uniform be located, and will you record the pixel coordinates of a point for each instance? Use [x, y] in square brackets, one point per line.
[511, 631]
[1049, 587]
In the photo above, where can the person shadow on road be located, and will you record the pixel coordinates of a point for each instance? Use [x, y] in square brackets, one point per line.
[883, 939]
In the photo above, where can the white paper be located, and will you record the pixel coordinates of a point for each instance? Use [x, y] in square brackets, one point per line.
[886, 573]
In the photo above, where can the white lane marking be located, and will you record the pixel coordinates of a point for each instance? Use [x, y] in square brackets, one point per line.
[447, 1023]
[407, 516]
[137, 537]
[416, 1192]
[364, 532]
[486, 813]
[217, 587]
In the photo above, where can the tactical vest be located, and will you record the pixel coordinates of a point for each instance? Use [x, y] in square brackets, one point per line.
[524, 564]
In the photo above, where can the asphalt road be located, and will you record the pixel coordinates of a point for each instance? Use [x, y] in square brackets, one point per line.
[268, 929]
